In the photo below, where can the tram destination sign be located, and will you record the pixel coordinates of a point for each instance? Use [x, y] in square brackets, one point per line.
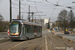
[15, 22]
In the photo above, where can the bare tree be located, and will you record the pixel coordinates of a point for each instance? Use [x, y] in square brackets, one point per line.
[63, 17]
[1, 17]
[71, 19]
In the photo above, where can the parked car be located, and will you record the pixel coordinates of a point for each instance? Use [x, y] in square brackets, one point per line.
[66, 32]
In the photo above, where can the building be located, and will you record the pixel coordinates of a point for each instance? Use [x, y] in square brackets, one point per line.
[51, 25]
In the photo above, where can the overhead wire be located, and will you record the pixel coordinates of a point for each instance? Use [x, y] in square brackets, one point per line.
[17, 6]
[37, 9]
[45, 4]
[67, 4]
[54, 9]
[40, 2]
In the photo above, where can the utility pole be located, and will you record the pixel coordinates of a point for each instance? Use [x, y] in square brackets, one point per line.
[32, 16]
[22, 16]
[10, 11]
[49, 20]
[35, 19]
[29, 14]
[19, 9]
[64, 25]
[48, 23]
[71, 21]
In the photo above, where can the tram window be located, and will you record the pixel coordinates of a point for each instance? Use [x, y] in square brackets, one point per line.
[24, 29]
[31, 29]
[37, 29]
[41, 29]
[28, 28]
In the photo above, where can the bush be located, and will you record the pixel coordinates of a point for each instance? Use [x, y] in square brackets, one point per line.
[4, 26]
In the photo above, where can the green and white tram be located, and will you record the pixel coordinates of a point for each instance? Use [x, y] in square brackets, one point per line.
[22, 30]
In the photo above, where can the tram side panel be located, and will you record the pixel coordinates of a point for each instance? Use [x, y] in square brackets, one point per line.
[23, 35]
[37, 31]
[40, 30]
[29, 31]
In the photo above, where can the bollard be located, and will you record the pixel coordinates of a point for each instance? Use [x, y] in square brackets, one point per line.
[62, 37]
[70, 41]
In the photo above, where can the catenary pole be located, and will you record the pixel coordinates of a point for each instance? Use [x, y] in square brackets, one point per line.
[29, 14]
[19, 9]
[10, 11]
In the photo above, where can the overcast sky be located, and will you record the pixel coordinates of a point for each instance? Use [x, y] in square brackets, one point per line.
[47, 8]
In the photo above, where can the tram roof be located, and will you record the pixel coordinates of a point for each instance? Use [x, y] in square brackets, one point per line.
[26, 22]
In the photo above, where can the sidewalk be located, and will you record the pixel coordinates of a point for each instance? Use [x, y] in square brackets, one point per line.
[3, 36]
[4, 39]
[67, 36]
[1, 39]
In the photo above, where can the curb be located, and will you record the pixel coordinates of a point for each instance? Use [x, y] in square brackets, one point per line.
[4, 39]
[66, 38]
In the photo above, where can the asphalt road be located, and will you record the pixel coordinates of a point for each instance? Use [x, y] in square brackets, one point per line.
[46, 42]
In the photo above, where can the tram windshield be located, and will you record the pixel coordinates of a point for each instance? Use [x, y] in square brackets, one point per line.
[14, 28]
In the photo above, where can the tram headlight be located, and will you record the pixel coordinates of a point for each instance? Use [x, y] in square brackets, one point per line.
[16, 33]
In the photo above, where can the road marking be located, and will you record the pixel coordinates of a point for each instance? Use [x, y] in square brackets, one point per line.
[70, 48]
[46, 43]
[60, 47]
[15, 45]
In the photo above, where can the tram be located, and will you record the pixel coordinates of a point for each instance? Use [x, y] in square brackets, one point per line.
[22, 30]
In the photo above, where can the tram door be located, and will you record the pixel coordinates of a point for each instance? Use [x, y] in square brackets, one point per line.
[24, 35]
[24, 30]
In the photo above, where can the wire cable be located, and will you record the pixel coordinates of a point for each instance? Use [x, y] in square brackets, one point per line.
[40, 2]
[16, 9]
[37, 9]
[17, 6]
[54, 9]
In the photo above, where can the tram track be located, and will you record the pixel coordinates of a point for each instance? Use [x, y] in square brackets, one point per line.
[20, 44]
[25, 47]
[62, 42]
[37, 48]
[51, 42]
[59, 41]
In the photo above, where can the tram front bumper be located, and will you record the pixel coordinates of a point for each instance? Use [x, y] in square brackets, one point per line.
[15, 37]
